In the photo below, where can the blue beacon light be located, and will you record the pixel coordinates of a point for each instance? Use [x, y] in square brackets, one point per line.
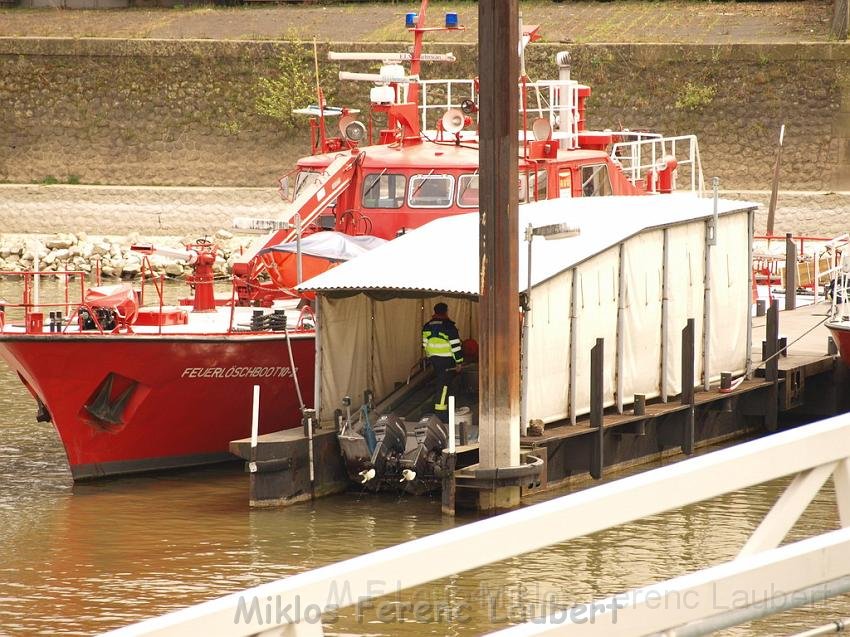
[410, 20]
[451, 20]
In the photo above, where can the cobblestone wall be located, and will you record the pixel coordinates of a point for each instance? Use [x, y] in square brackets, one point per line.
[183, 112]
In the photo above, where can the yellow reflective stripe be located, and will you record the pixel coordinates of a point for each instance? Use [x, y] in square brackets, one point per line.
[442, 406]
[437, 347]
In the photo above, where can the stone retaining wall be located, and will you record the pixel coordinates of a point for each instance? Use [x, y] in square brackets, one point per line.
[198, 212]
[183, 112]
[121, 209]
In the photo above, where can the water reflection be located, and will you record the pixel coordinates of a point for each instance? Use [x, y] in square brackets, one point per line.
[76, 560]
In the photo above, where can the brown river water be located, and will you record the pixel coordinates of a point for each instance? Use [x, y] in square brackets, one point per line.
[77, 560]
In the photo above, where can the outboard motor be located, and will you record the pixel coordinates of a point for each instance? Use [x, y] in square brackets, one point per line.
[436, 434]
[420, 467]
[392, 437]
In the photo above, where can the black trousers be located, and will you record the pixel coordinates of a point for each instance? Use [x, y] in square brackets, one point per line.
[443, 376]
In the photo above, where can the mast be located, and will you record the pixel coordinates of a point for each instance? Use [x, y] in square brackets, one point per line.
[415, 62]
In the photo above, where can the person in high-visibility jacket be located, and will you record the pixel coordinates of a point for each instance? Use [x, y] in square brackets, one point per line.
[441, 342]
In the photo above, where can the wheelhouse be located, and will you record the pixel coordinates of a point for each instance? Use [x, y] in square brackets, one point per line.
[392, 194]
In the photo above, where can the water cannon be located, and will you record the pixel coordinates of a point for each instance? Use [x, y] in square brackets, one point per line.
[201, 256]
[148, 249]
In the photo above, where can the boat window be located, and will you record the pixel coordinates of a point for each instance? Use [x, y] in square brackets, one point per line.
[467, 191]
[383, 190]
[533, 186]
[595, 181]
[303, 180]
[565, 183]
[431, 191]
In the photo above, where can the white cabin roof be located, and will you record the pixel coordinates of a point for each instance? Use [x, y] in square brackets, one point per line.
[442, 256]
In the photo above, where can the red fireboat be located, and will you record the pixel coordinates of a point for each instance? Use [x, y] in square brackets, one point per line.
[131, 386]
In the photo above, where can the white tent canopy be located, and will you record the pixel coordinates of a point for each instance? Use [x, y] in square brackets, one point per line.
[634, 276]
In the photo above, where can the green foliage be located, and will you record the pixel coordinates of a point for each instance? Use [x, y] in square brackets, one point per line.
[49, 180]
[294, 86]
[695, 96]
[230, 128]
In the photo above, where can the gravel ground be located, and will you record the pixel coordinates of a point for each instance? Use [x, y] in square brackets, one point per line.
[578, 21]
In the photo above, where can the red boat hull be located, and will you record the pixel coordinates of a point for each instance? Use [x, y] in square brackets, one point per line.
[124, 404]
[840, 333]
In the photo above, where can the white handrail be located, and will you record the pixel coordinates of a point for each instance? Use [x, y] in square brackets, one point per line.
[547, 99]
[349, 582]
[639, 158]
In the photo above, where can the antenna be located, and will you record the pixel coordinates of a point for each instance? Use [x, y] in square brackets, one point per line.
[319, 96]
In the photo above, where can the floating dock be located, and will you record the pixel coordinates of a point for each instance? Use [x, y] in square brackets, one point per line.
[804, 381]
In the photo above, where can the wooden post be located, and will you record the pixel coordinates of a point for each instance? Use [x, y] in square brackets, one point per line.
[597, 395]
[688, 359]
[498, 26]
[449, 485]
[771, 372]
[790, 273]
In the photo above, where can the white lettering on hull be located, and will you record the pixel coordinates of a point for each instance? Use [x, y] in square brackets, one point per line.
[237, 372]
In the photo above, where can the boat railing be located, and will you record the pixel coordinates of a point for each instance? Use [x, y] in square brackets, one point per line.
[29, 313]
[799, 566]
[840, 283]
[643, 157]
[556, 101]
[818, 260]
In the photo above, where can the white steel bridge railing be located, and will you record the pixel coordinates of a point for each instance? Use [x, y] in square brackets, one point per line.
[814, 568]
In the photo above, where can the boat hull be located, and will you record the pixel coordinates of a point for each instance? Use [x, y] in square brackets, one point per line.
[840, 332]
[124, 404]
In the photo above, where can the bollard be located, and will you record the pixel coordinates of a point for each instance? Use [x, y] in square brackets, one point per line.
[831, 346]
[761, 307]
[726, 381]
[640, 405]
[257, 321]
[463, 437]
[783, 345]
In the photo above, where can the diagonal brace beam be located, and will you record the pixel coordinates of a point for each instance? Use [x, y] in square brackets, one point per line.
[788, 509]
[841, 478]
